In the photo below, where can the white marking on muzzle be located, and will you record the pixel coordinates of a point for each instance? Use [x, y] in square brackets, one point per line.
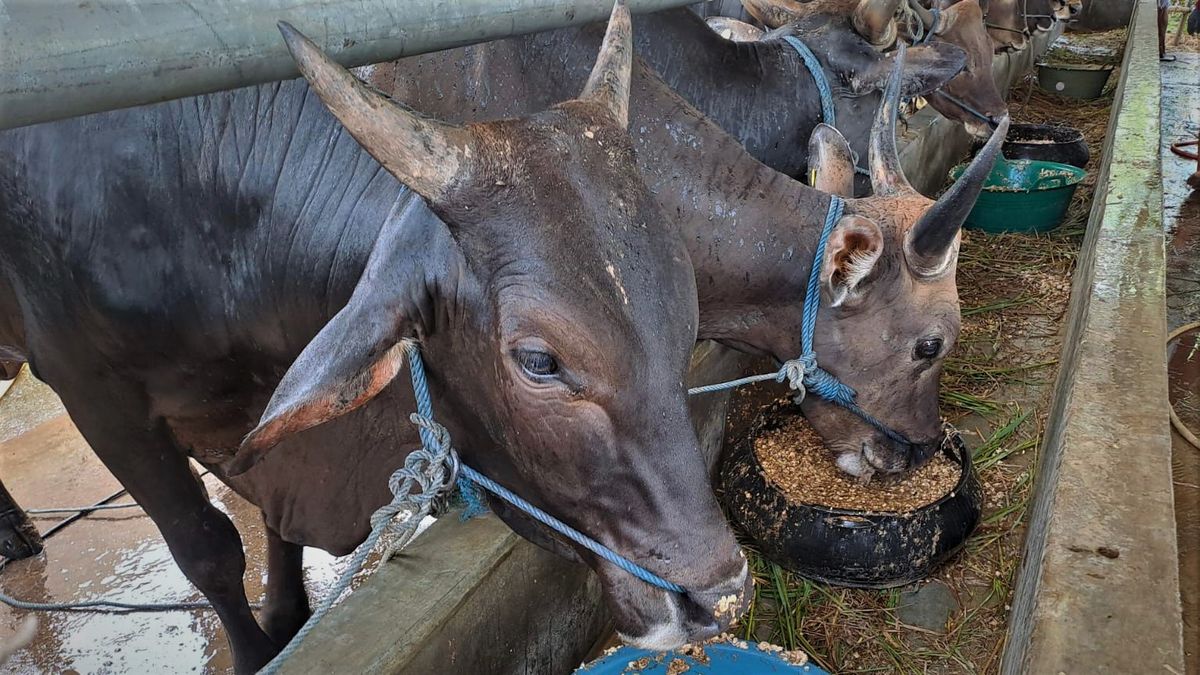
[661, 636]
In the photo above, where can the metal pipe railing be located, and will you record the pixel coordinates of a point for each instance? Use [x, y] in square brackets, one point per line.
[62, 58]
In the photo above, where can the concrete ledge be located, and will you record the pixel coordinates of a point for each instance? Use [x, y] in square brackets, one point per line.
[931, 144]
[463, 598]
[1105, 474]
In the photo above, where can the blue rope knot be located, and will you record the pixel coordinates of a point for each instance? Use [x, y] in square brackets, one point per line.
[793, 372]
[426, 475]
[932, 29]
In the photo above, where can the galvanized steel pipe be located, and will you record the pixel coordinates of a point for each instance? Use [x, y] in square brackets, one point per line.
[61, 58]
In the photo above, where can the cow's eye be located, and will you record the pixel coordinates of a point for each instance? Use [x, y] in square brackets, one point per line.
[538, 365]
[928, 348]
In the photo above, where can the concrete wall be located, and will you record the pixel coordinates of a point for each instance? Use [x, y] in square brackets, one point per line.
[1104, 481]
[1104, 14]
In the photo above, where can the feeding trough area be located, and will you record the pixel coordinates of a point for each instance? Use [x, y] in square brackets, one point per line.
[1041, 192]
[570, 337]
[1047, 143]
[1076, 81]
[802, 513]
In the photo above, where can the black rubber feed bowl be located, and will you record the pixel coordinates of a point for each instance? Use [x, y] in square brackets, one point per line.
[839, 546]
[1045, 143]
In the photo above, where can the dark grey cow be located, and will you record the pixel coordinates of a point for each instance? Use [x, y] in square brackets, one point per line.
[891, 311]
[175, 272]
[760, 93]
[970, 97]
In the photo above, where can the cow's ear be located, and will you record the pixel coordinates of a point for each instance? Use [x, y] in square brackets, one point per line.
[926, 69]
[358, 353]
[851, 255]
[830, 161]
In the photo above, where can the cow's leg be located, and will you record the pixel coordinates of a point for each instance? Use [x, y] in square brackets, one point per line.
[18, 537]
[138, 450]
[286, 607]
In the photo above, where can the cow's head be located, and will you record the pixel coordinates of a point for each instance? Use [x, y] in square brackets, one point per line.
[889, 308]
[961, 24]
[856, 69]
[557, 311]
[1010, 23]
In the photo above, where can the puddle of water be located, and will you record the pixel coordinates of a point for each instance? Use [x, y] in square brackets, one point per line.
[114, 554]
[1181, 218]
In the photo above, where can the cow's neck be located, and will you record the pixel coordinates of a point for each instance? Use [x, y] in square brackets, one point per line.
[750, 230]
[761, 93]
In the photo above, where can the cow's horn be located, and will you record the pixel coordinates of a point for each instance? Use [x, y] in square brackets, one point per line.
[923, 13]
[929, 245]
[875, 20]
[609, 81]
[425, 154]
[887, 177]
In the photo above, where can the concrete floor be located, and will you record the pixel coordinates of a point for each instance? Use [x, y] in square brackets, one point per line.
[116, 555]
[1181, 211]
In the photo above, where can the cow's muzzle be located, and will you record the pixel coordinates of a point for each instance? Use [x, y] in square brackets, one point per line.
[696, 615]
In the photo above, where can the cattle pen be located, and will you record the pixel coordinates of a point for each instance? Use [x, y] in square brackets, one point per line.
[1086, 556]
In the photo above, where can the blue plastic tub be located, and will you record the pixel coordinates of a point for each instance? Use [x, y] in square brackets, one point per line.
[719, 658]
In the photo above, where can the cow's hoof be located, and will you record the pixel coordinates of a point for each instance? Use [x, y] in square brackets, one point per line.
[282, 625]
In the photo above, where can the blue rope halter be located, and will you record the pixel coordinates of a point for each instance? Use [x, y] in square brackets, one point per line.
[828, 113]
[431, 439]
[803, 373]
[932, 28]
[828, 109]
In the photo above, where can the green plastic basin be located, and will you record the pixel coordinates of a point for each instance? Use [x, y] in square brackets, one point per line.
[1023, 195]
[1082, 81]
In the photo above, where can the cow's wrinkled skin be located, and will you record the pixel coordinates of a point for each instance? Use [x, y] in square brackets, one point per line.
[751, 232]
[180, 269]
[961, 24]
[872, 19]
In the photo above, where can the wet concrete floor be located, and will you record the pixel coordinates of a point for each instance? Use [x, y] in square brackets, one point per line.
[116, 555]
[1181, 217]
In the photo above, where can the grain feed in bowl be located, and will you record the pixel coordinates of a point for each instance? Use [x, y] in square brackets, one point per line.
[795, 460]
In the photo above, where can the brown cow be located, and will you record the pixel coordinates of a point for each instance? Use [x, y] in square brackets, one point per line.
[1011, 23]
